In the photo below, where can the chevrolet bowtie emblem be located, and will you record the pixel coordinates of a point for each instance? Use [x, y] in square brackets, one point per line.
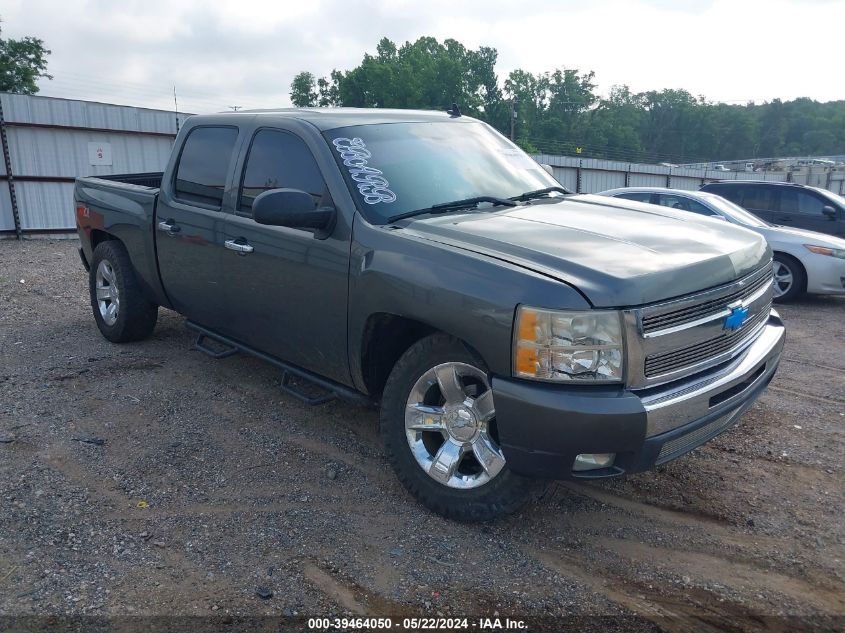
[736, 318]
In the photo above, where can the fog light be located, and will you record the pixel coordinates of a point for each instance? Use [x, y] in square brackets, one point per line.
[593, 461]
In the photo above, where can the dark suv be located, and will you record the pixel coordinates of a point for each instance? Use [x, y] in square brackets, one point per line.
[786, 204]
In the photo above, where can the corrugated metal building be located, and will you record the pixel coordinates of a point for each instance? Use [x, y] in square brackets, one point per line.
[52, 141]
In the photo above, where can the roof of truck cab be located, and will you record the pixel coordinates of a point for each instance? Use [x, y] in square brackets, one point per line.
[330, 118]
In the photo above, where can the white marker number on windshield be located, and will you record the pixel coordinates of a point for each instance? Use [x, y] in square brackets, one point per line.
[371, 182]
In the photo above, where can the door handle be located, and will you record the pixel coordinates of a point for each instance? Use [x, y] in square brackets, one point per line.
[169, 227]
[238, 247]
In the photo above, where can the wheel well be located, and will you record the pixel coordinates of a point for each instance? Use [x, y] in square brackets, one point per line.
[98, 236]
[386, 338]
[798, 263]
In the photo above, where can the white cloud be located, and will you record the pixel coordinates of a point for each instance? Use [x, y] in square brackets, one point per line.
[245, 52]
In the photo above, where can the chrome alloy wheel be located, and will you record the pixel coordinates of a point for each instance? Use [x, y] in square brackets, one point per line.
[783, 279]
[108, 298]
[450, 426]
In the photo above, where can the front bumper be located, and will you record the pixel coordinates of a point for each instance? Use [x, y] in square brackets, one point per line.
[825, 274]
[543, 428]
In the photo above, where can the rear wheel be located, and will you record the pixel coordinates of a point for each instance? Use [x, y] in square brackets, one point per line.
[121, 311]
[438, 421]
[789, 278]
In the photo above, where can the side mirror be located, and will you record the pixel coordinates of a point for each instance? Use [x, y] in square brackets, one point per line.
[295, 209]
[829, 211]
[548, 169]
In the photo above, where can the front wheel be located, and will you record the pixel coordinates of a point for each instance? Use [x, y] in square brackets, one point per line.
[789, 278]
[438, 421]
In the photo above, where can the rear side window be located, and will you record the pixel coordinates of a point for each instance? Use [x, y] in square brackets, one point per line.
[204, 165]
[279, 160]
[797, 201]
[734, 194]
[683, 203]
[637, 196]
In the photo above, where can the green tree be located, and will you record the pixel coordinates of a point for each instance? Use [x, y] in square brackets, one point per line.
[559, 111]
[303, 91]
[22, 62]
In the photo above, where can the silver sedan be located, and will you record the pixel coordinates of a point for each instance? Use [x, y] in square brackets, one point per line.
[804, 261]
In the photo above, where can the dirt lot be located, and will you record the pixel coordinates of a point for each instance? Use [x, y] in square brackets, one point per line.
[211, 485]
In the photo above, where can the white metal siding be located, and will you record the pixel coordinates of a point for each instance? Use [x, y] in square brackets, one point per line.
[7, 221]
[64, 153]
[140, 142]
[67, 112]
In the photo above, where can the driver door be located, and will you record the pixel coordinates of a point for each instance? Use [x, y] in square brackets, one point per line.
[287, 290]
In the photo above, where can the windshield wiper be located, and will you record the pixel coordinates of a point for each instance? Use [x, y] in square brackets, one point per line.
[539, 193]
[455, 205]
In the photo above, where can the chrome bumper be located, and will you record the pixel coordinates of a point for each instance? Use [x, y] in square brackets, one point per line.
[718, 390]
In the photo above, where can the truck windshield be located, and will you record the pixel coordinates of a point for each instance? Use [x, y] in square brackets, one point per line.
[399, 167]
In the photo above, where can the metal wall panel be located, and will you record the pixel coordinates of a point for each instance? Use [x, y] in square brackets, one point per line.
[566, 177]
[67, 112]
[140, 143]
[647, 180]
[64, 153]
[7, 221]
[593, 181]
[45, 205]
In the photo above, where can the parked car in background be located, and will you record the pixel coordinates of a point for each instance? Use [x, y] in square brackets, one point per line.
[804, 261]
[786, 204]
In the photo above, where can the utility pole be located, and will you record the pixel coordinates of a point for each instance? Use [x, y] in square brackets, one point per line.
[514, 104]
[176, 106]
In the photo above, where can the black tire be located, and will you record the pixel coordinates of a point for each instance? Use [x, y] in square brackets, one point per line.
[505, 493]
[799, 278]
[136, 316]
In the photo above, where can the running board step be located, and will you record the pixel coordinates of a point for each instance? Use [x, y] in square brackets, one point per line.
[328, 390]
[201, 345]
[297, 392]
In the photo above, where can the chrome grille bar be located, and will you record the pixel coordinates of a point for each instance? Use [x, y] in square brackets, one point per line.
[658, 364]
[689, 313]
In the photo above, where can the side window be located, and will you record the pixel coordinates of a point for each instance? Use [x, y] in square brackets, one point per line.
[797, 201]
[757, 198]
[279, 160]
[637, 196]
[696, 207]
[734, 194]
[204, 165]
[683, 203]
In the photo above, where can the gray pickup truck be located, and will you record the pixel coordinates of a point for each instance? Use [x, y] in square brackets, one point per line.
[510, 331]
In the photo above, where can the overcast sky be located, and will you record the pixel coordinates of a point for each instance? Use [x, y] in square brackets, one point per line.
[245, 52]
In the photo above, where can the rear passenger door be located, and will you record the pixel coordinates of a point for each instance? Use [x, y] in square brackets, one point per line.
[288, 295]
[189, 223]
[804, 209]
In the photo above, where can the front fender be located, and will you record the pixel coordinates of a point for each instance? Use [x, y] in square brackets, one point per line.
[465, 294]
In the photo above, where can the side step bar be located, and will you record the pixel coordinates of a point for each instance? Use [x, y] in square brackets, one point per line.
[230, 347]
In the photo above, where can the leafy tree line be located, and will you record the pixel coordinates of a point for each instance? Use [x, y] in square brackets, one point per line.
[560, 112]
[22, 62]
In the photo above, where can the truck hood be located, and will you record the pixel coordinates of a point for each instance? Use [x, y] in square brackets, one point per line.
[616, 252]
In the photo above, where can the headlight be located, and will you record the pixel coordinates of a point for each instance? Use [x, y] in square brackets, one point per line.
[562, 346]
[824, 250]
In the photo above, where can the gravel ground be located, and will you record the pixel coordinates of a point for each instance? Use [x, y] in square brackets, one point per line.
[149, 479]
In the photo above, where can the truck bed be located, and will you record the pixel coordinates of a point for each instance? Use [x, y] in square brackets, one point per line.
[150, 179]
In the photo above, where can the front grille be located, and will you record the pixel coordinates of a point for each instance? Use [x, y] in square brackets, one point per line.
[667, 362]
[656, 322]
[685, 443]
